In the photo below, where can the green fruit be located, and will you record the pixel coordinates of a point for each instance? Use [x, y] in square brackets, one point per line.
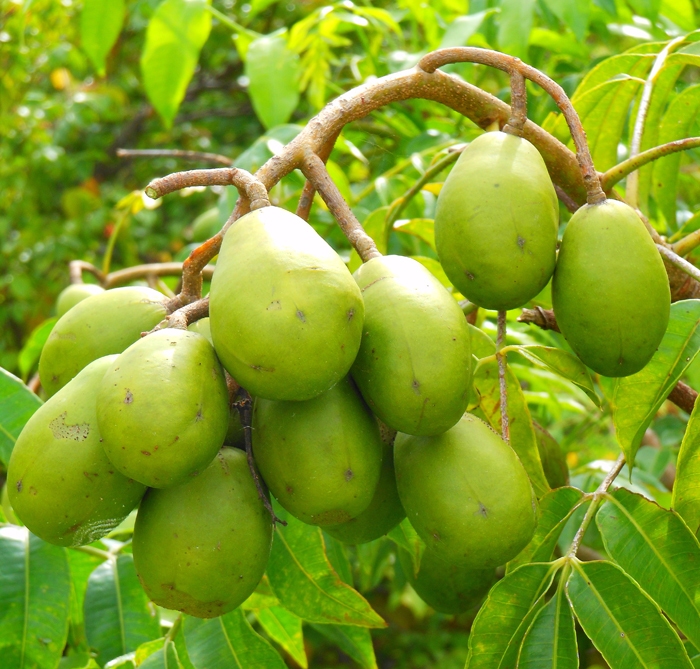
[75, 293]
[496, 222]
[321, 458]
[448, 588]
[162, 408]
[466, 494]
[202, 548]
[99, 325]
[610, 290]
[206, 225]
[553, 461]
[203, 327]
[286, 316]
[60, 482]
[414, 364]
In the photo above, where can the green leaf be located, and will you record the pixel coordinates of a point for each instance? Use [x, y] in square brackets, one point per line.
[354, 641]
[31, 351]
[164, 657]
[273, 74]
[555, 510]
[637, 398]
[284, 628]
[514, 26]
[686, 488]
[100, 24]
[262, 597]
[228, 642]
[17, 404]
[462, 28]
[174, 37]
[81, 566]
[625, 625]
[656, 548]
[572, 13]
[506, 614]
[306, 584]
[118, 618]
[563, 363]
[550, 642]
[405, 536]
[34, 600]
[423, 228]
[336, 552]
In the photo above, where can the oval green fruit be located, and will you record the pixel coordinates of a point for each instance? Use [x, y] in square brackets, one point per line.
[203, 327]
[448, 588]
[466, 494]
[610, 290]
[61, 484]
[286, 316]
[496, 222]
[202, 548]
[162, 408]
[76, 292]
[414, 364]
[99, 325]
[320, 458]
[206, 225]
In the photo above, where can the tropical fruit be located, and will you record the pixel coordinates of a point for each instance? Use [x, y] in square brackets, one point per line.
[60, 482]
[448, 588]
[162, 408]
[320, 458]
[414, 364]
[202, 547]
[286, 316]
[496, 222]
[466, 494]
[203, 327]
[99, 325]
[553, 461]
[76, 292]
[610, 290]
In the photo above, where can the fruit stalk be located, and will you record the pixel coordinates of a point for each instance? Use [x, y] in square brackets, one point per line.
[307, 195]
[77, 267]
[183, 316]
[518, 104]
[503, 384]
[129, 274]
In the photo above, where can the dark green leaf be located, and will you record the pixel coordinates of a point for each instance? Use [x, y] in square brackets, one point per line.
[165, 657]
[355, 641]
[624, 624]
[284, 628]
[572, 13]
[31, 351]
[81, 566]
[405, 536]
[17, 404]
[34, 600]
[100, 25]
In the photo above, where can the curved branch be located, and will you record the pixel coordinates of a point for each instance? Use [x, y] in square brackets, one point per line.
[200, 156]
[183, 316]
[307, 194]
[77, 267]
[122, 276]
[680, 263]
[518, 105]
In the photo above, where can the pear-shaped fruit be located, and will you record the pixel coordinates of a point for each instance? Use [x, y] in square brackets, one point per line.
[100, 325]
[496, 222]
[206, 225]
[610, 290]
[466, 494]
[60, 482]
[203, 327]
[414, 364]
[321, 458]
[76, 292]
[553, 460]
[447, 587]
[202, 548]
[163, 408]
[286, 316]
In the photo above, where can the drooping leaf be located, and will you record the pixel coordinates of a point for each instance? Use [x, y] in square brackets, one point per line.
[621, 620]
[100, 24]
[514, 26]
[555, 510]
[284, 628]
[405, 536]
[355, 641]
[117, 616]
[686, 488]
[572, 13]
[174, 37]
[164, 657]
[462, 28]
[336, 552]
[306, 584]
[656, 548]
[81, 566]
[29, 355]
[17, 404]
[273, 74]
[228, 642]
[637, 398]
[34, 600]
[262, 597]
[506, 615]
[423, 228]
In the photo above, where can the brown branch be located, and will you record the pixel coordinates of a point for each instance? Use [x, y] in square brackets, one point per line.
[200, 156]
[181, 318]
[518, 104]
[502, 382]
[683, 396]
[153, 269]
[566, 200]
[77, 267]
[681, 263]
[192, 271]
[307, 195]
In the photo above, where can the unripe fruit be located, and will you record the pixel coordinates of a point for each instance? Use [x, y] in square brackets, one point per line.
[496, 222]
[61, 484]
[286, 316]
[206, 225]
[610, 290]
[163, 408]
[203, 327]
[320, 458]
[99, 325]
[466, 494]
[414, 364]
[202, 548]
[76, 292]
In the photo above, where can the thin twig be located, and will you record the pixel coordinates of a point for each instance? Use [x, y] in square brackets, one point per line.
[683, 396]
[566, 199]
[77, 267]
[307, 194]
[680, 263]
[128, 274]
[200, 156]
[687, 244]
[502, 381]
[183, 316]
[95, 552]
[518, 104]
[542, 318]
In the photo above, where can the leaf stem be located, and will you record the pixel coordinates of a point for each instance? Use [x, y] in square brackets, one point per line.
[95, 552]
[113, 240]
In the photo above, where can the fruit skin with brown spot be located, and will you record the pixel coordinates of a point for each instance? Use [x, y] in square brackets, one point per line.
[61, 484]
[320, 458]
[163, 409]
[496, 222]
[414, 364]
[202, 547]
[466, 494]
